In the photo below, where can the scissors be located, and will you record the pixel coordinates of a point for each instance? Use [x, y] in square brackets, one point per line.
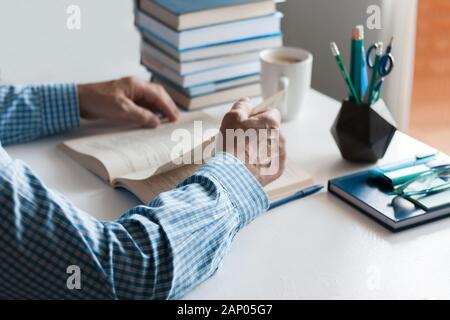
[383, 67]
[386, 61]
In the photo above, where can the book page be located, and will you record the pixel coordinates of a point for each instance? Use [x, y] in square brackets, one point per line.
[140, 153]
[293, 179]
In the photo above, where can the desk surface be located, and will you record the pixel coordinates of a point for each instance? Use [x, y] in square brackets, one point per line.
[317, 247]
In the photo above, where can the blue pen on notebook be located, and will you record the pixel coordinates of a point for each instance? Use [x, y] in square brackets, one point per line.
[298, 195]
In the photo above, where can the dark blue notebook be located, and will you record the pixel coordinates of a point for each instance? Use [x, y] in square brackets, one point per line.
[366, 192]
[179, 7]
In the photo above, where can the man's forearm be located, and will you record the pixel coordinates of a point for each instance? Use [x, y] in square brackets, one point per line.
[201, 217]
[156, 251]
[30, 112]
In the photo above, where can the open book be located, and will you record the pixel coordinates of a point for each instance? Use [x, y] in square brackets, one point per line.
[144, 162]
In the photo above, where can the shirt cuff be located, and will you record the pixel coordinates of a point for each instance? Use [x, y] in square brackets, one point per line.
[60, 110]
[244, 191]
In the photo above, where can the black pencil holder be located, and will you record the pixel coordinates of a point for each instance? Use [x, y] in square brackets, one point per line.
[363, 132]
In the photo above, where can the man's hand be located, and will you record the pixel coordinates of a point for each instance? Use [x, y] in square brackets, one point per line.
[264, 156]
[127, 99]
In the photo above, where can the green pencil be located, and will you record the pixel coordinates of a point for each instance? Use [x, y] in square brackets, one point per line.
[337, 55]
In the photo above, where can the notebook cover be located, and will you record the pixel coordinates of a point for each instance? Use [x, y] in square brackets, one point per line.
[179, 7]
[365, 186]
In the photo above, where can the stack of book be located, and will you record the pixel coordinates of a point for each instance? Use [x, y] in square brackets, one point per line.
[206, 52]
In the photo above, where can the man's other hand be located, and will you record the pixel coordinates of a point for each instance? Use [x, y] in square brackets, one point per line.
[127, 100]
[265, 156]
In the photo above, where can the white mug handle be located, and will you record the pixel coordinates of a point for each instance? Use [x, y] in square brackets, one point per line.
[283, 85]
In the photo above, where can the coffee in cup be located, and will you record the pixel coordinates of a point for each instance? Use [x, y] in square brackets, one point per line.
[287, 69]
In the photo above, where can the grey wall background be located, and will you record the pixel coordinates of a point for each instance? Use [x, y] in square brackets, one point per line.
[313, 24]
[36, 46]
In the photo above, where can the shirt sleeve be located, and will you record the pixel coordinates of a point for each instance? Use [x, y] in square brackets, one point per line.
[30, 112]
[156, 251]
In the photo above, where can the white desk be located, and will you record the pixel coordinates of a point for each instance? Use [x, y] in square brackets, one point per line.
[317, 247]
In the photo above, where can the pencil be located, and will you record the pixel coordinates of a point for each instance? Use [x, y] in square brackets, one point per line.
[337, 55]
[359, 75]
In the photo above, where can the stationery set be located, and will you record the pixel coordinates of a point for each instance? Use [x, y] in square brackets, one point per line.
[400, 195]
[364, 127]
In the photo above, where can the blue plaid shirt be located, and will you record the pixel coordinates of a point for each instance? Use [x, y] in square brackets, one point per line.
[155, 251]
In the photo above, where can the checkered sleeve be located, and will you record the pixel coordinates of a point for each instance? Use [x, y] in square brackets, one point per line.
[29, 112]
[156, 251]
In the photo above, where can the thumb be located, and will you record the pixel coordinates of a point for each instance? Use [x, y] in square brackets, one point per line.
[140, 115]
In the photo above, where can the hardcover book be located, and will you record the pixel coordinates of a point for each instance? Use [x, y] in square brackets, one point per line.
[213, 98]
[211, 87]
[215, 50]
[202, 77]
[183, 68]
[210, 35]
[367, 192]
[188, 14]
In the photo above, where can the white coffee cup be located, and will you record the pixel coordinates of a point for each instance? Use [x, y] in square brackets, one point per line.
[287, 69]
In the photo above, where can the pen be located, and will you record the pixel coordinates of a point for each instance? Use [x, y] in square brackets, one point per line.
[389, 47]
[337, 55]
[358, 63]
[377, 91]
[269, 103]
[298, 195]
[364, 77]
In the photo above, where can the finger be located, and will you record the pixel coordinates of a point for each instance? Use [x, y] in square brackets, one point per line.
[154, 96]
[271, 115]
[240, 111]
[270, 118]
[243, 104]
[139, 115]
